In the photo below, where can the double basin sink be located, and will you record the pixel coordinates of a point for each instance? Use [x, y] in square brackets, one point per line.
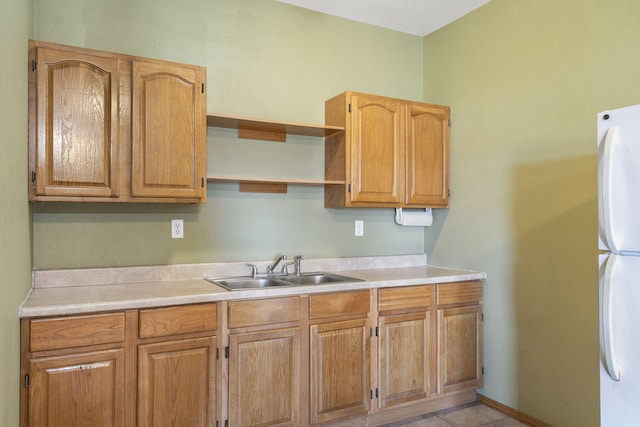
[304, 279]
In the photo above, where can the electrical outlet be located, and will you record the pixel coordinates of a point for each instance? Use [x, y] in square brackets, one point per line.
[359, 228]
[177, 228]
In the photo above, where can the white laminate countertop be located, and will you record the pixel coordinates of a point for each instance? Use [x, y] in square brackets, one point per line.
[65, 292]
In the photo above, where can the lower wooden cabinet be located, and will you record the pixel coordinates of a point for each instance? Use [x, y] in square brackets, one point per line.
[85, 389]
[264, 378]
[404, 358]
[177, 366]
[339, 370]
[177, 383]
[460, 356]
[459, 336]
[264, 362]
[339, 358]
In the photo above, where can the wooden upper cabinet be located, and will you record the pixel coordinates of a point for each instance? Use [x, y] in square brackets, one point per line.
[376, 149]
[74, 124]
[169, 130]
[427, 155]
[393, 153]
[106, 127]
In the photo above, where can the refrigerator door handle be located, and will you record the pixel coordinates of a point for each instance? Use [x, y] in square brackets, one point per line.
[607, 189]
[609, 354]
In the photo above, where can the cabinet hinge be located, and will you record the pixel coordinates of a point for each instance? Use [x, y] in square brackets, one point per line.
[202, 183]
[202, 87]
[482, 317]
[226, 423]
[377, 332]
[349, 107]
[217, 357]
[349, 188]
[33, 176]
[376, 392]
[449, 192]
[26, 380]
[34, 65]
[370, 394]
[449, 122]
[226, 352]
[483, 370]
[217, 423]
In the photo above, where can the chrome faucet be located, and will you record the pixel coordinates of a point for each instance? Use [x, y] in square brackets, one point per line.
[275, 264]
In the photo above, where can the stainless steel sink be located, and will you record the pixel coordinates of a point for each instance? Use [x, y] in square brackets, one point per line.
[239, 283]
[246, 282]
[318, 278]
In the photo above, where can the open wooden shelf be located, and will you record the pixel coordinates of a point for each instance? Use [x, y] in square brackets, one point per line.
[269, 185]
[268, 129]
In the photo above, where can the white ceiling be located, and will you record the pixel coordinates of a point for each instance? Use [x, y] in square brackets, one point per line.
[417, 17]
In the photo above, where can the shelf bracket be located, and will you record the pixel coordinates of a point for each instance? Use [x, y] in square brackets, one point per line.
[263, 135]
[261, 187]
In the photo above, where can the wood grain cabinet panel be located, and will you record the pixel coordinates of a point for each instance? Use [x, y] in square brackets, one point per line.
[265, 311]
[339, 304]
[177, 383]
[459, 293]
[460, 348]
[427, 155]
[405, 358]
[377, 155]
[85, 390]
[76, 331]
[340, 358]
[169, 131]
[264, 378]
[185, 319]
[75, 150]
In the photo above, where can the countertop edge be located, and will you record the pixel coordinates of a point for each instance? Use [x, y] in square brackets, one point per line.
[91, 299]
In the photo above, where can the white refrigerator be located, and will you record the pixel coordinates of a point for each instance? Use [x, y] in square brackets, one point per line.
[619, 258]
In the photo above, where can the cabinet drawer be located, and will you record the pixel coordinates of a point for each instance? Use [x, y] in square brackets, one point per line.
[460, 292]
[76, 331]
[186, 319]
[263, 312]
[405, 298]
[338, 304]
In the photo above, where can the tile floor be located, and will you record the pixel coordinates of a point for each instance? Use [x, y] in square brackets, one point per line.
[471, 415]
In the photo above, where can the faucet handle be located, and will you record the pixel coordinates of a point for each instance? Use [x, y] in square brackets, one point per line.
[296, 263]
[254, 269]
[285, 267]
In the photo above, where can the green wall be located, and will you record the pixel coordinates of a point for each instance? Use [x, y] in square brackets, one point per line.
[15, 251]
[525, 80]
[264, 59]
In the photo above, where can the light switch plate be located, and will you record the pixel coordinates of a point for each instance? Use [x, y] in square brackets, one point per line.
[359, 228]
